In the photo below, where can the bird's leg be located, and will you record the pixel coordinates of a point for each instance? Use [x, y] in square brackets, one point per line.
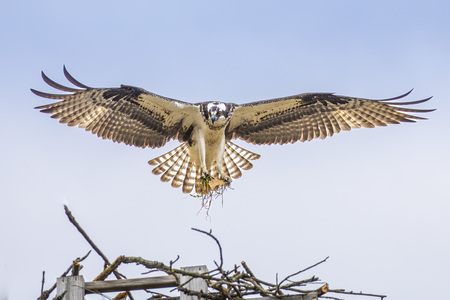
[205, 177]
[226, 178]
[222, 174]
[202, 154]
[219, 161]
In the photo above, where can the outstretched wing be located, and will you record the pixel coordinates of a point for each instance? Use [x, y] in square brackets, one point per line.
[127, 114]
[314, 115]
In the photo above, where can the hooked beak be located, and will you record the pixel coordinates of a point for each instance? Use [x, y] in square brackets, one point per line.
[214, 118]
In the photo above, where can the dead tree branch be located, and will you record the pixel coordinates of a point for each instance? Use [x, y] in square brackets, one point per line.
[217, 241]
[84, 234]
[45, 294]
[42, 285]
[356, 293]
[301, 271]
[93, 245]
[238, 282]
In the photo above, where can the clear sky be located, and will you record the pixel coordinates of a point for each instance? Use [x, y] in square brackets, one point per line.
[375, 200]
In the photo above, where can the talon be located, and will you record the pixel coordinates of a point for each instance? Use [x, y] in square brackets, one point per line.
[227, 179]
[205, 176]
[204, 185]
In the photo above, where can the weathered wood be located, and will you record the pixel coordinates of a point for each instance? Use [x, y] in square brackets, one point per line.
[71, 287]
[311, 296]
[75, 288]
[196, 285]
[130, 284]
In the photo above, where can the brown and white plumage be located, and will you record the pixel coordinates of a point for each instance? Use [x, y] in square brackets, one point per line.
[314, 115]
[174, 165]
[137, 117]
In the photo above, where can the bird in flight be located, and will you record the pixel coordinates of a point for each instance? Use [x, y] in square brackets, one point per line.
[137, 117]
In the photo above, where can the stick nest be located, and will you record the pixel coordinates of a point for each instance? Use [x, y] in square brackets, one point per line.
[236, 283]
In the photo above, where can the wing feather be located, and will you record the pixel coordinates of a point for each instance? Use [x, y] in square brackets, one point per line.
[334, 123]
[342, 123]
[73, 80]
[57, 85]
[127, 114]
[310, 116]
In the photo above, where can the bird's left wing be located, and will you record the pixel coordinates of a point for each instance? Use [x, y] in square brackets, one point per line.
[127, 114]
[305, 117]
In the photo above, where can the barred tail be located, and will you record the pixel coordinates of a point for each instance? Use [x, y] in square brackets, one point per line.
[237, 157]
[165, 161]
[176, 165]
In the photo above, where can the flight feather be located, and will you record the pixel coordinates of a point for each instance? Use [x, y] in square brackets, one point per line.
[309, 116]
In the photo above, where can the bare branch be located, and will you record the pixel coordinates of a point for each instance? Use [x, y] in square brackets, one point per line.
[84, 234]
[108, 270]
[225, 275]
[46, 294]
[121, 296]
[84, 257]
[76, 268]
[60, 297]
[217, 241]
[247, 269]
[93, 245]
[301, 271]
[357, 293]
[174, 261]
[42, 286]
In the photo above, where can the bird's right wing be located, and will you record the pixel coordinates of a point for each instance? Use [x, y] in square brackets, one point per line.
[309, 116]
[127, 114]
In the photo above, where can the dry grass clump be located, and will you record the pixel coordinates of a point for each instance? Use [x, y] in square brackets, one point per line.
[208, 188]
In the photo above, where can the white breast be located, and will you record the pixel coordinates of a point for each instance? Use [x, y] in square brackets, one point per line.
[214, 141]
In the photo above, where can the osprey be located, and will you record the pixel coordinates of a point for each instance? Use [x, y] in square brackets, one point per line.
[137, 117]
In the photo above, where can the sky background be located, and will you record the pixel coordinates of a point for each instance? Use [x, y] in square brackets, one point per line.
[375, 200]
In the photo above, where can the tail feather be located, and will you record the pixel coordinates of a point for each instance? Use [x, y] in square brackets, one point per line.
[163, 158]
[179, 177]
[241, 156]
[176, 165]
[173, 170]
[225, 169]
[197, 182]
[243, 152]
[167, 160]
[232, 169]
[189, 179]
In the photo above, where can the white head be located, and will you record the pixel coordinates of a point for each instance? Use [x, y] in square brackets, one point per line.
[217, 113]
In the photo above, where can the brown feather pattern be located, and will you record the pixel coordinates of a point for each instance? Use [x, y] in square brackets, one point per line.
[176, 165]
[137, 117]
[314, 116]
[127, 114]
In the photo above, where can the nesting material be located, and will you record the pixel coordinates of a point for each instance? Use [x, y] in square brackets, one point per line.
[208, 188]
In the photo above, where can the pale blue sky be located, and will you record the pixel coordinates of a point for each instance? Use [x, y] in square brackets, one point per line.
[376, 201]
